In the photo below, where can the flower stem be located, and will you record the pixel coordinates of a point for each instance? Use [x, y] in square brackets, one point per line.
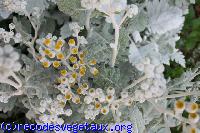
[31, 45]
[87, 23]
[196, 93]
[117, 30]
[170, 113]
[115, 48]
[135, 82]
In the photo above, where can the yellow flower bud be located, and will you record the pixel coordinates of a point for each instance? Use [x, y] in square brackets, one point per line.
[93, 62]
[47, 42]
[68, 96]
[72, 59]
[81, 55]
[51, 55]
[72, 42]
[192, 130]
[46, 64]
[74, 75]
[56, 64]
[179, 106]
[104, 110]
[60, 56]
[193, 117]
[97, 105]
[59, 43]
[192, 107]
[85, 86]
[47, 51]
[79, 91]
[75, 66]
[76, 100]
[74, 50]
[81, 62]
[81, 72]
[94, 71]
[63, 72]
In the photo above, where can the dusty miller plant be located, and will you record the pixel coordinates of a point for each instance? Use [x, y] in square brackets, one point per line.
[100, 61]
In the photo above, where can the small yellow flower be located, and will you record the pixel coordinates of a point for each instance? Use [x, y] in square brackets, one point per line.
[104, 110]
[47, 51]
[47, 42]
[83, 68]
[75, 66]
[97, 105]
[63, 80]
[51, 55]
[115, 106]
[57, 47]
[58, 80]
[92, 92]
[81, 55]
[46, 64]
[76, 100]
[85, 86]
[72, 59]
[74, 75]
[60, 56]
[81, 62]
[192, 130]
[193, 117]
[59, 43]
[179, 106]
[192, 107]
[93, 62]
[63, 72]
[74, 50]
[40, 58]
[109, 98]
[79, 91]
[94, 71]
[72, 42]
[68, 96]
[62, 104]
[81, 72]
[56, 64]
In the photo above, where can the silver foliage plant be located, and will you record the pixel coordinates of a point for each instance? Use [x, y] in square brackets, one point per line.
[97, 61]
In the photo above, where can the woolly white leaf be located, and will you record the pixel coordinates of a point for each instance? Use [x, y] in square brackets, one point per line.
[134, 54]
[4, 14]
[163, 17]
[184, 81]
[137, 120]
[179, 58]
[41, 4]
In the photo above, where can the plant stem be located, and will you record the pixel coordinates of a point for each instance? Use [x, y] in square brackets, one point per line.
[115, 48]
[170, 113]
[31, 46]
[117, 30]
[196, 93]
[87, 23]
[135, 82]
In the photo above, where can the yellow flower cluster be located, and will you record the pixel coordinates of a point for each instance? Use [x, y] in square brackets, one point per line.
[51, 52]
[66, 56]
[191, 108]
